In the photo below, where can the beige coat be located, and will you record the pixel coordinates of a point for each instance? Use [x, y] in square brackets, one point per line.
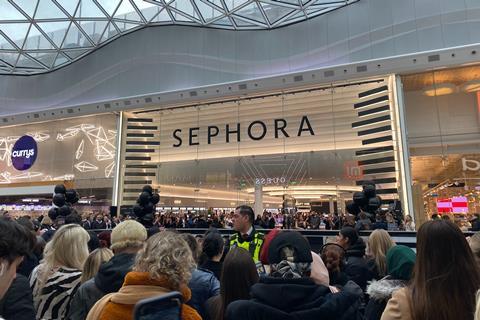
[398, 307]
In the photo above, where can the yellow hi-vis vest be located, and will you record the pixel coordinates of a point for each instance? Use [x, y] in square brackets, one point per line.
[254, 246]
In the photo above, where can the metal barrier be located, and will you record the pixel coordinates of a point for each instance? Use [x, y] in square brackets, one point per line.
[318, 238]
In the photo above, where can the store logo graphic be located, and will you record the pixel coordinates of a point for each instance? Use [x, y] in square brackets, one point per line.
[352, 170]
[24, 153]
[470, 165]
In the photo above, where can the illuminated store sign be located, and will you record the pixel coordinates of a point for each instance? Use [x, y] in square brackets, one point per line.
[470, 165]
[24, 153]
[256, 130]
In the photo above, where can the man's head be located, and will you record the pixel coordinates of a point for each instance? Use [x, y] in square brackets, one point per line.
[347, 237]
[128, 236]
[243, 218]
[16, 241]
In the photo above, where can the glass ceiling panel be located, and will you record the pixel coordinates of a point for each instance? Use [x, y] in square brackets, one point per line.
[45, 37]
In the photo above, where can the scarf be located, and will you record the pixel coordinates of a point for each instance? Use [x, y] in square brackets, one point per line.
[291, 270]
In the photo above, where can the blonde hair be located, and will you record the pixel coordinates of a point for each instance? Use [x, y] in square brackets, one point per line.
[128, 234]
[474, 243]
[68, 248]
[378, 244]
[96, 258]
[166, 255]
[46, 220]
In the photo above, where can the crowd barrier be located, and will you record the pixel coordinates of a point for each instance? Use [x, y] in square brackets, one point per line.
[318, 238]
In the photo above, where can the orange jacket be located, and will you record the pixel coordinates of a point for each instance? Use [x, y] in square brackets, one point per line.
[137, 286]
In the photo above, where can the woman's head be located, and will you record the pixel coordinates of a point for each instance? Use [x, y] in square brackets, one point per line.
[16, 241]
[192, 244]
[333, 256]
[239, 273]
[212, 244]
[95, 259]
[166, 255]
[68, 247]
[47, 221]
[379, 243]
[445, 270]
[400, 262]
[128, 235]
[474, 242]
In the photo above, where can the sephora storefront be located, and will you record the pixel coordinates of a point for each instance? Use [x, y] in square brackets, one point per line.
[310, 148]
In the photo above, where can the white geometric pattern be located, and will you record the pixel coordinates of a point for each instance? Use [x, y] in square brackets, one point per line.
[39, 136]
[109, 169]
[85, 166]
[79, 152]
[37, 36]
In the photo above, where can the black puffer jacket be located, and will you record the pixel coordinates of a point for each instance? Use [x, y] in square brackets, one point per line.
[279, 299]
[109, 279]
[17, 303]
[356, 266]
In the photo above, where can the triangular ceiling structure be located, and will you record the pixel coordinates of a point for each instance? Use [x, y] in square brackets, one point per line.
[38, 36]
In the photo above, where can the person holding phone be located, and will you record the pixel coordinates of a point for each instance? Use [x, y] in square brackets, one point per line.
[163, 265]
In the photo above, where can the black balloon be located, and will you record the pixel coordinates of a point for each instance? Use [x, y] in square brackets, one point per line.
[144, 198]
[148, 208]
[60, 188]
[59, 199]
[155, 198]
[374, 203]
[369, 190]
[138, 210]
[70, 195]
[64, 211]
[360, 199]
[352, 208]
[148, 189]
[53, 213]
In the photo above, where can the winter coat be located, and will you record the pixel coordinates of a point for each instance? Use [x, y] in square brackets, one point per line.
[53, 297]
[400, 262]
[282, 299]
[203, 285]
[109, 279]
[137, 286]
[213, 266]
[98, 224]
[338, 278]
[380, 292]
[17, 303]
[356, 266]
[398, 307]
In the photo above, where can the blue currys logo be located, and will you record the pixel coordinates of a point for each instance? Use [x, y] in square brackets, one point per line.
[24, 153]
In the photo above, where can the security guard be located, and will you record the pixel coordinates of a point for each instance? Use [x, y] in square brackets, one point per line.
[246, 236]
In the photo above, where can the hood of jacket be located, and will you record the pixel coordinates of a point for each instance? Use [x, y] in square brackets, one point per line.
[383, 289]
[289, 295]
[400, 262]
[110, 276]
[357, 249]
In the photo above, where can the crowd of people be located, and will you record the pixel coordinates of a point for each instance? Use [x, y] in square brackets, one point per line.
[223, 219]
[70, 270]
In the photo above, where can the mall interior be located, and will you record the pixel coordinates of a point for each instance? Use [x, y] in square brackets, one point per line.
[292, 107]
[111, 110]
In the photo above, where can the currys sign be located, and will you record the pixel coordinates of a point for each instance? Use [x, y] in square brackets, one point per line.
[24, 153]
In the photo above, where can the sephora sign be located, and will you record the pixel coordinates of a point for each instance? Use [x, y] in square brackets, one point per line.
[24, 153]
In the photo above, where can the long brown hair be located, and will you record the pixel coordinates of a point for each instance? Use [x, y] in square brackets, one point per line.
[446, 276]
[239, 273]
